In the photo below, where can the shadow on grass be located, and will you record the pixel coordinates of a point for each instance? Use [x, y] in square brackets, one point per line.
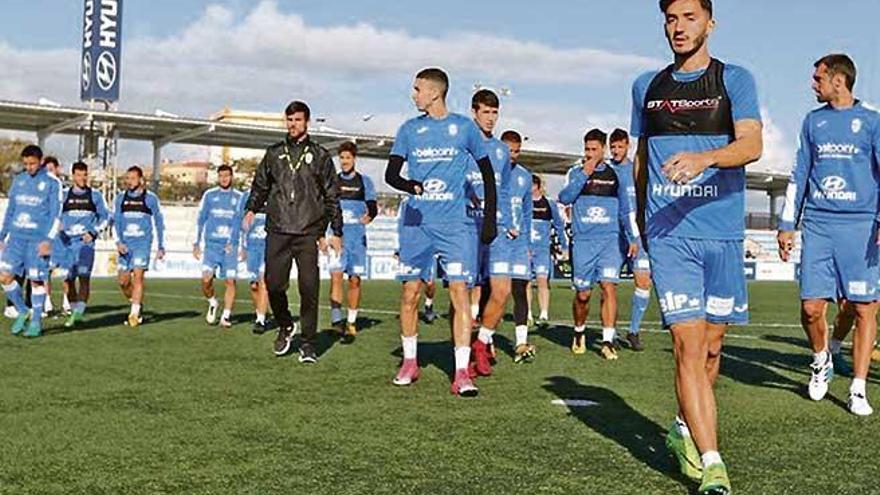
[439, 354]
[617, 421]
[753, 366]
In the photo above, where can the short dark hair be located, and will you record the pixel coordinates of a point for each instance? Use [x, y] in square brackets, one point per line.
[137, 170]
[79, 166]
[436, 75]
[619, 135]
[297, 107]
[839, 63]
[348, 146]
[51, 159]
[596, 135]
[536, 180]
[485, 97]
[706, 4]
[32, 150]
[511, 136]
[225, 168]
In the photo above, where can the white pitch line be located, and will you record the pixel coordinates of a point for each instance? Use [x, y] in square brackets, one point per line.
[574, 403]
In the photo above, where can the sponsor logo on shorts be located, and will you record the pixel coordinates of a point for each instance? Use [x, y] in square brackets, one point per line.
[719, 306]
[455, 269]
[858, 288]
[674, 303]
[610, 273]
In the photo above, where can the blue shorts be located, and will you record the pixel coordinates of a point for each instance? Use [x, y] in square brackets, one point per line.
[78, 260]
[700, 279]
[595, 260]
[500, 260]
[22, 257]
[451, 243]
[137, 257]
[840, 261]
[541, 262]
[256, 262]
[217, 261]
[353, 261]
[520, 264]
[640, 263]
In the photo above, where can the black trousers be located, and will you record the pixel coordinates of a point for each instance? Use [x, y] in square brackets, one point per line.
[281, 251]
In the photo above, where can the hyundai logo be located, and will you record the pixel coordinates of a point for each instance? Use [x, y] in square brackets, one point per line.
[596, 213]
[105, 71]
[833, 183]
[87, 71]
[434, 186]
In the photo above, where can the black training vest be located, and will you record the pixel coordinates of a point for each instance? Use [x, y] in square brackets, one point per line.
[352, 189]
[79, 202]
[541, 209]
[602, 183]
[700, 107]
[136, 204]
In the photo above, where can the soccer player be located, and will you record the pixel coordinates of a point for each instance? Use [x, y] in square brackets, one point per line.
[58, 259]
[520, 231]
[497, 266]
[29, 229]
[833, 193]
[601, 204]
[253, 252]
[640, 266]
[545, 221]
[137, 216]
[84, 215]
[219, 226]
[698, 124]
[436, 147]
[357, 198]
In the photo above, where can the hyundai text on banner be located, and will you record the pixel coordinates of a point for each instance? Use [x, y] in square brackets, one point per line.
[102, 50]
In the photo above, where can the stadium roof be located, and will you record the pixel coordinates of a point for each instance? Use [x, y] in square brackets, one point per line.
[46, 120]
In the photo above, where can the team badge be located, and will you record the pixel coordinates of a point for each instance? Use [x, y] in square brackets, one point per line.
[453, 129]
[856, 125]
[309, 158]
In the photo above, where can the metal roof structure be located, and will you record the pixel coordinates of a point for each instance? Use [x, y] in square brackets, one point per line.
[48, 120]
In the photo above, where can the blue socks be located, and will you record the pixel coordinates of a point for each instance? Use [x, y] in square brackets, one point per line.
[641, 298]
[14, 294]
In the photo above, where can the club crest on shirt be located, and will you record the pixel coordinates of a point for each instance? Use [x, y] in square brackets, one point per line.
[309, 158]
[42, 186]
[453, 129]
[498, 153]
[856, 125]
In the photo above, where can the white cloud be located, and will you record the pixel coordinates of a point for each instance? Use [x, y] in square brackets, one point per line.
[261, 60]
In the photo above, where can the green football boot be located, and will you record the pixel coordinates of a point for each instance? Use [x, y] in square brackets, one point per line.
[20, 322]
[715, 480]
[685, 452]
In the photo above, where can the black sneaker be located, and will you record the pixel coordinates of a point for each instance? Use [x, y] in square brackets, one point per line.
[260, 327]
[635, 342]
[307, 354]
[283, 340]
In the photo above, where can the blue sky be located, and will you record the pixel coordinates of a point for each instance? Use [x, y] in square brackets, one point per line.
[194, 57]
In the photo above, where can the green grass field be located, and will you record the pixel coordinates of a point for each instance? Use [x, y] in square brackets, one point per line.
[179, 407]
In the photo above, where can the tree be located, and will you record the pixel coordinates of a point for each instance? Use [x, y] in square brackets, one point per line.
[10, 151]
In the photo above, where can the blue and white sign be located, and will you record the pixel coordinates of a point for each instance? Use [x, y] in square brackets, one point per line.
[102, 50]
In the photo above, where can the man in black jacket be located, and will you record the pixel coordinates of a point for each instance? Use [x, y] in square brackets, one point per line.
[297, 182]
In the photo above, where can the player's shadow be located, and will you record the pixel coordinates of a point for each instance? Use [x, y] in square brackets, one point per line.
[439, 354]
[151, 317]
[752, 366]
[617, 421]
[798, 363]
